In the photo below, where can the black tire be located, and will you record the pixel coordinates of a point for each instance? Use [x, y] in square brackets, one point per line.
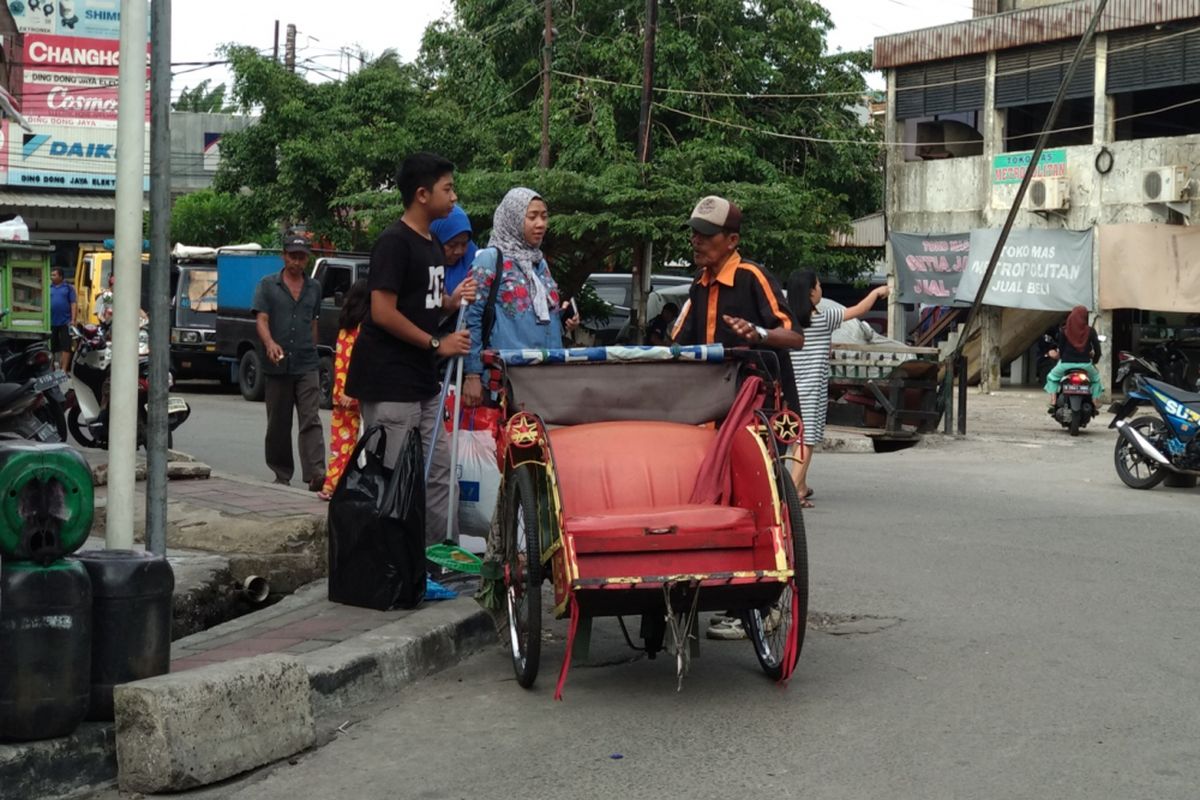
[53, 412]
[1076, 417]
[523, 582]
[1134, 470]
[251, 381]
[82, 434]
[769, 644]
[325, 376]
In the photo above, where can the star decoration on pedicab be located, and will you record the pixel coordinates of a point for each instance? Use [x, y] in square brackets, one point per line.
[523, 430]
[785, 425]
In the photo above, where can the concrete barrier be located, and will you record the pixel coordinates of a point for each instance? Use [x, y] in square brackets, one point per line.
[196, 727]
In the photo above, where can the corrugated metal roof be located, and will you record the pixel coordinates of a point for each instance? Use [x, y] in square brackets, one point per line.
[87, 202]
[1028, 26]
[868, 231]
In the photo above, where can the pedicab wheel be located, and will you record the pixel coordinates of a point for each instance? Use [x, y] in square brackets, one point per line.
[523, 575]
[1134, 469]
[768, 628]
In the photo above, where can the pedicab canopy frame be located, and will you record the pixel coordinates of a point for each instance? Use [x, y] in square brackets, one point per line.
[649, 481]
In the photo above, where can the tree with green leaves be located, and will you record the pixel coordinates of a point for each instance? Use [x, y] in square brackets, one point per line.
[203, 100]
[749, 105]
[211, 219]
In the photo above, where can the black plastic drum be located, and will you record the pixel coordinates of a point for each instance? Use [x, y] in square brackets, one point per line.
[45, 648]
[131, 621]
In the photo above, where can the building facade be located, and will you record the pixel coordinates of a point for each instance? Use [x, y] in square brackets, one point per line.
[966, 102]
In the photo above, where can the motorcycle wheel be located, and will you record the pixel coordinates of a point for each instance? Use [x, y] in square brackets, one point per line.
[1076, 417]
[1134, 469]
[81, 432]
[52, 411]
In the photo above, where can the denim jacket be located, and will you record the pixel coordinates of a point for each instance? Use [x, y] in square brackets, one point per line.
[516, 326]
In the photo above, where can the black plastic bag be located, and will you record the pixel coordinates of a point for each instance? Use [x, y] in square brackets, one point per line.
[377, 527]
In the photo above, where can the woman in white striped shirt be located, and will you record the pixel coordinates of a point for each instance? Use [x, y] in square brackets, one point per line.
[818, 319]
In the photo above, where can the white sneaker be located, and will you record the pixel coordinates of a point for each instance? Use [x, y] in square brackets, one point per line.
[728, 629]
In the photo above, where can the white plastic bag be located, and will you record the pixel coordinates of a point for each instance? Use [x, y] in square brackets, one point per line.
[15, 230]
[478, 482]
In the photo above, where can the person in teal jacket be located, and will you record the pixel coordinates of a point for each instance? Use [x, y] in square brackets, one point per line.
[528, 313]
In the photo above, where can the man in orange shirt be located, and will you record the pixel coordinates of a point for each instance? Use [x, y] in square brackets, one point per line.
[732, 302]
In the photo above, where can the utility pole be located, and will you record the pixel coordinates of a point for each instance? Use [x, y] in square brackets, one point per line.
[160, 270]
[275, 50]
[127, 267]
[643, 264]
[289, 57]
[547, 44]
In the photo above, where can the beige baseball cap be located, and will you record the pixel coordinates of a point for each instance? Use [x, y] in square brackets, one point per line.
[713, 214]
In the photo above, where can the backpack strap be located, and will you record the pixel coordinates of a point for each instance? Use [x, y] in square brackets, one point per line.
[489, 308]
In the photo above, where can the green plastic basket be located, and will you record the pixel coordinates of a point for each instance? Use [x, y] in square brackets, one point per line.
[450, 556]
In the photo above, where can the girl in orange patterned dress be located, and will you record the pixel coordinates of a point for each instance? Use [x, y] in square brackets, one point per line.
[343, 429]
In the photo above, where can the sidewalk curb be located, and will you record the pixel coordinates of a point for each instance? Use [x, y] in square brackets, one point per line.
[362, 669]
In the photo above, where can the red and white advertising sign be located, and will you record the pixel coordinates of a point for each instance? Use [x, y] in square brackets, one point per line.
[71, 80]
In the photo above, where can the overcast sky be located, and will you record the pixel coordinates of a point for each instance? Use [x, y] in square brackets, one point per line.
[324, 27]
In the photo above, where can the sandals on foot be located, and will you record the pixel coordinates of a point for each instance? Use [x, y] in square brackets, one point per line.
[808, 494]
[806, 503]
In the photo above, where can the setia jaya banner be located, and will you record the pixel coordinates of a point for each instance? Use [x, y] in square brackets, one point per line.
[1039, 269]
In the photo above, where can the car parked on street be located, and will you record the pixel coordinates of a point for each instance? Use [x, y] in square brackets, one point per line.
[616, 290]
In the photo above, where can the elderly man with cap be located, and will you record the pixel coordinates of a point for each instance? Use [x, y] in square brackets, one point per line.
[286, 306]
[733, 301]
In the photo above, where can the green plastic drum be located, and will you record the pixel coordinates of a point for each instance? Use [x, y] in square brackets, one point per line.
[46, 501]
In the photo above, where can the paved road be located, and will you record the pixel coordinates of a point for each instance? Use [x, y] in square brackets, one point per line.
[1027, 629]
[226, 432]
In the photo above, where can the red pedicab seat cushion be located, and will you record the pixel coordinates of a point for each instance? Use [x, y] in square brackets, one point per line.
[635, 478]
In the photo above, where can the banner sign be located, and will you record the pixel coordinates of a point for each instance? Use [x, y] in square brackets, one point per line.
[71, 80]
[1039, 269]
[929, 267]
[65, 157]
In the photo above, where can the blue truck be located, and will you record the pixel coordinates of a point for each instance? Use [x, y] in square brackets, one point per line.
[238, 346]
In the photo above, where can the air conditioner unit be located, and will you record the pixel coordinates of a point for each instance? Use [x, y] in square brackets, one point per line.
[1165, 185]
[1048, 194]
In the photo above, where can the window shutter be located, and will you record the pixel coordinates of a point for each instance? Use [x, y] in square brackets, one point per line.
[942, 87]
[1144, 59]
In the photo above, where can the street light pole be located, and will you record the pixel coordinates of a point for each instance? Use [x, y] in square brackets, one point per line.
[160, 274]
[127, 267]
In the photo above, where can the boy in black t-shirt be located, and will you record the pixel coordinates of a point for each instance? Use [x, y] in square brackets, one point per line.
[393, 372]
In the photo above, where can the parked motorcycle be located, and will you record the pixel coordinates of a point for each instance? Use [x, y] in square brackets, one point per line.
[1165, 361]
[91, 368]
[1150, 448]
[19, 403]
[1073, 404]
[35, 362]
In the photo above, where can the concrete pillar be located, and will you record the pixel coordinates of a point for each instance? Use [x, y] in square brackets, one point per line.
[990, 316]
[1103, 133]
[990, 331]
[893, 157]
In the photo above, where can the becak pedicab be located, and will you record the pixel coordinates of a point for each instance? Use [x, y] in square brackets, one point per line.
[648, 481]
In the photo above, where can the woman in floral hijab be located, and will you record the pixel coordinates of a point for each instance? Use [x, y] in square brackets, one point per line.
[528, 307]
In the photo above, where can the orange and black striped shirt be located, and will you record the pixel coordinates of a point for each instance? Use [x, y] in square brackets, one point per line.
[741, 289]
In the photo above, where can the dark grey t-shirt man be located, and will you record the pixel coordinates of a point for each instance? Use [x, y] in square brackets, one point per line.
[286, 307]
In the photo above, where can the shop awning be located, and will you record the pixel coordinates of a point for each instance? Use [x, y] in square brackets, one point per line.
[15, 201]
[1151, 266]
